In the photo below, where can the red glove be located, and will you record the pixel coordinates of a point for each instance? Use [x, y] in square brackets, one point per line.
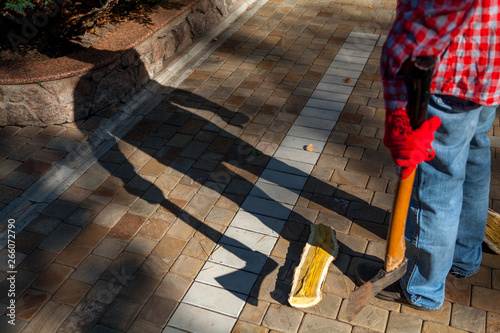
[409, 147]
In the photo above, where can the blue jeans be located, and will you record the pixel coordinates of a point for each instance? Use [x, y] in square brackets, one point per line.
[449, 206]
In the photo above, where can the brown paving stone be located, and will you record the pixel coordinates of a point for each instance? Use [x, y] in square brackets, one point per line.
[141, 326]
[71, 292]
[244, 327]
[110, 215]
[123, 268]
[38, 261]
[402, 323]
[173, 286]
[42, 224]
[91, 235]
[52, 278]
[254, 311]
[154, 265]
[141, 287]
[442, 315]
[104, 291]
[282, 318]
[75, 194]
[158, 310]
[73, 255]
[120, 314]
[187, 266]
[60, 237]
[30, 303]
[109, 248]
[328, 307]
[90, 269]
[8, 194]
[492, 322]
[369, 317]
[126, 228]
[316, 324]
[432, 327]
[467, 318]
[486, 299]
[169, 248]
[84, 317]
[141, 245]
[50, 316]
[457, 290]
[338, 284]
[481, 278]
[368, 230]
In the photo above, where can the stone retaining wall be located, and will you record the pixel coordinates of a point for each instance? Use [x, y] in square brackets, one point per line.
[77, 86]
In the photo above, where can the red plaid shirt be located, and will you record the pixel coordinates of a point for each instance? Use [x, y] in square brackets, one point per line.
[463, 35]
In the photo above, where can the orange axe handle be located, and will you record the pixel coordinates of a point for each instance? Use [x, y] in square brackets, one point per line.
[395, 248]
[418, 97]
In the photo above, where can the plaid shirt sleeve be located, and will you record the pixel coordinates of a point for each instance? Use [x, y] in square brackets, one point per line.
[421, 28]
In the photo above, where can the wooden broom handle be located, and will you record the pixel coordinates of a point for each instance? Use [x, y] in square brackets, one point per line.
[418, 98]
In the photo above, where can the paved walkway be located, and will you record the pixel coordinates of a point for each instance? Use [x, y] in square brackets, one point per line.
[193, 216]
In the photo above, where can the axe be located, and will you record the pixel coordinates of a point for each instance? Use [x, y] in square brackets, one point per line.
[395, 262]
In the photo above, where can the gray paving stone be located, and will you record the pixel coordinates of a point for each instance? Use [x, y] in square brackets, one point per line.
[347, 65]
[266, 207]
[330, 96]
[194, 319]
[283, 179]
[314, 122]
[227, 277]
[249, 240]
[346, 73]
[300, 154]
[277, 193]
[325, 104]
[338, 88]
[259, 223]
[60, 238]
[238, 258]
[357, 53]
[321, 113]
[290, 166]
[351, 59]
[215, 299]
[337, 80]
[362, 40]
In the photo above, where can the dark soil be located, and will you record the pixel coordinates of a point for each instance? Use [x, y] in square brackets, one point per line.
[52, 30]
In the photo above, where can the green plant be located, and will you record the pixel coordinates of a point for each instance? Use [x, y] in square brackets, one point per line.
[20, 6]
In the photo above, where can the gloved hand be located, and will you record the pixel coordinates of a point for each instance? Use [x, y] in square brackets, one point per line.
[409, 147]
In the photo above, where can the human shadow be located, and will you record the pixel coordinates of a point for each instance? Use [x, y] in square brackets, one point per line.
[198, 142]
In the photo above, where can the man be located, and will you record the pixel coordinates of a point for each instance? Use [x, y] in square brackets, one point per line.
[449, 206]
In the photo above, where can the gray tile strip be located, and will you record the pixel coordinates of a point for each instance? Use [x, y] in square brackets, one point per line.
[239, 254]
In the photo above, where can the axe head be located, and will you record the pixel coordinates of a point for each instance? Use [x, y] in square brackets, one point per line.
[362, 295]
